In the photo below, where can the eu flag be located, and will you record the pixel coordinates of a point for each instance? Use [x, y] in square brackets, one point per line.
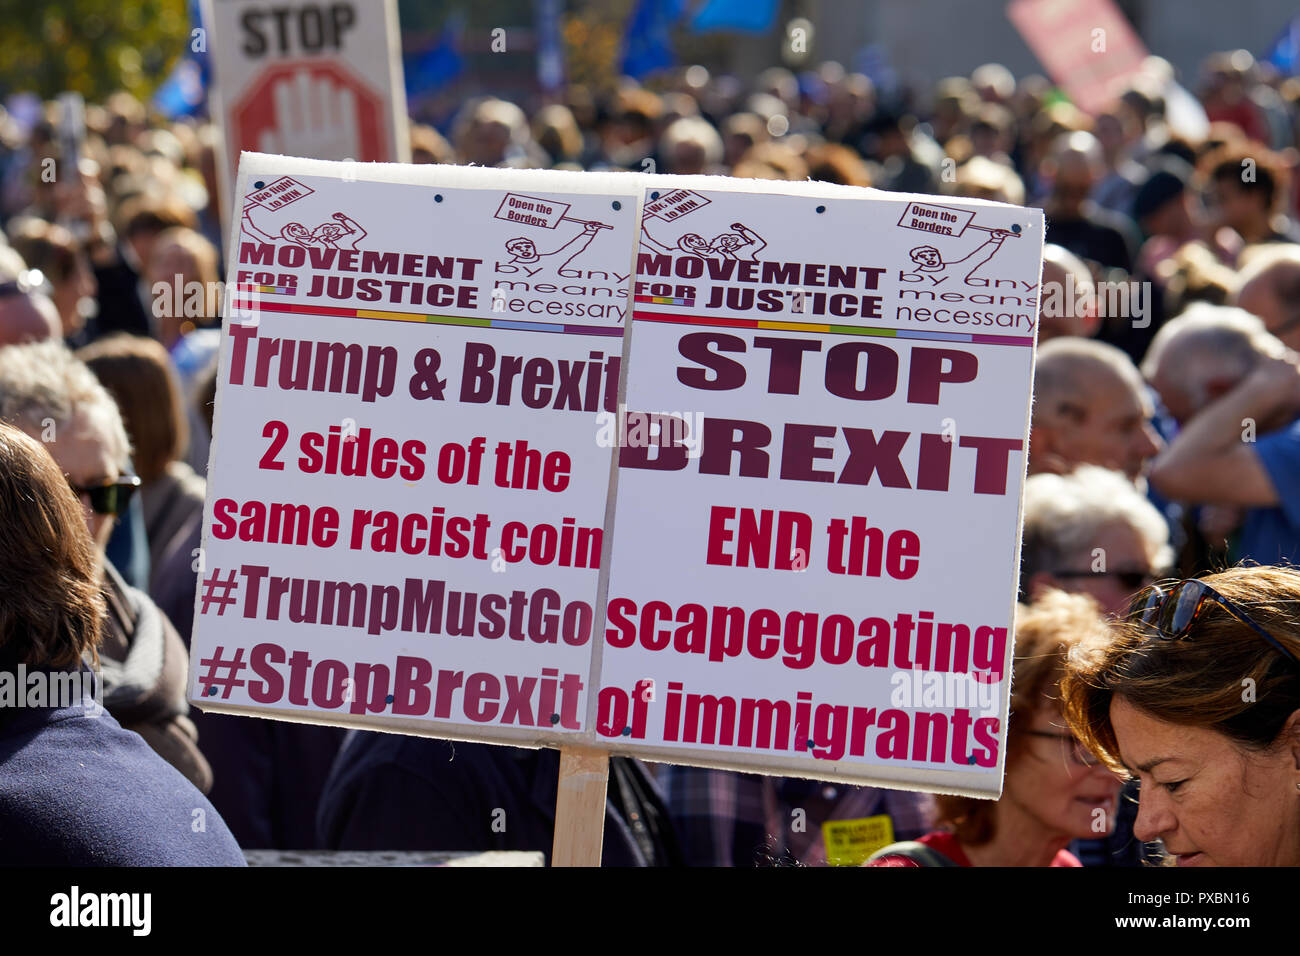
[740, 16]
[1285, 51]
[648, 46]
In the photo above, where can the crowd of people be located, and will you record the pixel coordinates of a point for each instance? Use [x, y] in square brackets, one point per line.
[1164, 444]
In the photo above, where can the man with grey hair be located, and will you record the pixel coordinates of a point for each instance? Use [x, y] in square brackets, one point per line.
[1090, 407]
[1202, 353]
[1239, 444]
[1091, 532]
[56, 399]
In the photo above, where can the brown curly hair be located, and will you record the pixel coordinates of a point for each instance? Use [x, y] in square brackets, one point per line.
[1223, 676]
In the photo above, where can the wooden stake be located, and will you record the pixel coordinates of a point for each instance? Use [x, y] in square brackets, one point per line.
[580, 807]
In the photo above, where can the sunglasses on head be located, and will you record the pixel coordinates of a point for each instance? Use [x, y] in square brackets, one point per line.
[110, 498]
[1170, 612]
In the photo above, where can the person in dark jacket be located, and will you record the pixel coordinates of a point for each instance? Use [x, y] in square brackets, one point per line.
[267, 774]
[75, 788]
[53, 397]
[400, 792]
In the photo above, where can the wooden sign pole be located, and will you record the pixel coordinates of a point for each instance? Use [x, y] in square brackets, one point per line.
[580, 807]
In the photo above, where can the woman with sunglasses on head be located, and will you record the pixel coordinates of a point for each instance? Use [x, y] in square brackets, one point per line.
[54, 398]
[1197, 696]
[1053, 791]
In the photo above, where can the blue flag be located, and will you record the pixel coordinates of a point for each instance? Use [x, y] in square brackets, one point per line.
[550, 45]
[648, 45]
[738, 16]
[438, 65]
[1285, 51]
[185, 91]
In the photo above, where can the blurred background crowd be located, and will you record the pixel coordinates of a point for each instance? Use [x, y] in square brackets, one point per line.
[1165, 433]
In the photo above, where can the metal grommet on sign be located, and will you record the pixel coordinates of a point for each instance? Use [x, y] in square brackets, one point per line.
[654, 195]
[437, 197]
[821, 209]
[259, 185]
[616, 204]
[1015, 228]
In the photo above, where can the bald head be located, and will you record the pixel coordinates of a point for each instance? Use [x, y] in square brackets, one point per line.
[1090, 407]
[27, 317]
[1203, 353]
[1077, 150]
[1067, 302]
[1269, 287]
[1074, 166]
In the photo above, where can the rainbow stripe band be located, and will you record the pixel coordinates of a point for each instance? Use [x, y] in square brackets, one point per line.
[666, 300]
[864, 330]
[339, 312]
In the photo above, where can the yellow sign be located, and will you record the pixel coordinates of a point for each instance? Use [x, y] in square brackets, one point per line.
[850, 842]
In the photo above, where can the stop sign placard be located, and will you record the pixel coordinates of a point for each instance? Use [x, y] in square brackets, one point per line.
[318, 105]
[320, 79]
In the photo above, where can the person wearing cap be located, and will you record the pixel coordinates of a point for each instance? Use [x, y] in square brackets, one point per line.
[1162, 206]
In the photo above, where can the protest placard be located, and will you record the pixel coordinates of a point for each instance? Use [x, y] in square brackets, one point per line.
[307, 78]
[431, 511]
[406, 504]
[815, 543]
[1086, 47]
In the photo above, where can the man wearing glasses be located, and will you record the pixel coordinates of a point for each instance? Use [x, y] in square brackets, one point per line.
[57, 400]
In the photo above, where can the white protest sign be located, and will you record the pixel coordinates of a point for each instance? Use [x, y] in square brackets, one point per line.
[406, 500]
[808, 565]
[314, 78]
[815, 557]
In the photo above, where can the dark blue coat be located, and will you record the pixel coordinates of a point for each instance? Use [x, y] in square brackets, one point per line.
[78, 790]
[399, 792]
[267, 776]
